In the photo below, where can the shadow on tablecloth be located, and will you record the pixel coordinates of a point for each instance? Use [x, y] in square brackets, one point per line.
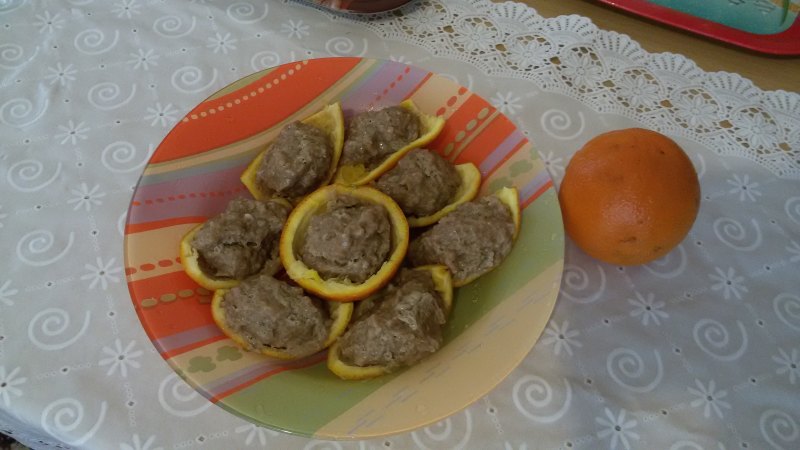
[7, 443]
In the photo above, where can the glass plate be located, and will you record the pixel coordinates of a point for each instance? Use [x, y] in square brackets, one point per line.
[195, 172]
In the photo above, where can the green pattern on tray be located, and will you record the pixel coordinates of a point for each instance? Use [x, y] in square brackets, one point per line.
[753, 16]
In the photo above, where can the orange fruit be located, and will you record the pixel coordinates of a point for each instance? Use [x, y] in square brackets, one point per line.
[629, 196]
[509, 196]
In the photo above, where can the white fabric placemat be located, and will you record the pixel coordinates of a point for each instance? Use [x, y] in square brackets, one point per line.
[699, 350]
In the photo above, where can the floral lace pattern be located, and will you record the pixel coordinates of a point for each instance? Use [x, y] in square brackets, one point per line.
[608, 71]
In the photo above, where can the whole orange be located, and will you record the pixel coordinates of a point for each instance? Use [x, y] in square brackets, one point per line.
[629, 196]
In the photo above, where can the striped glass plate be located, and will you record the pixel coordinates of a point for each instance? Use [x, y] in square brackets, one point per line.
[195, 172]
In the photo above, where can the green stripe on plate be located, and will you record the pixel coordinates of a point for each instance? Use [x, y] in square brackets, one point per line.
[311, 396]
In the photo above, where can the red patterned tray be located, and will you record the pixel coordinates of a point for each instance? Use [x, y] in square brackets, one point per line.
[786, 42]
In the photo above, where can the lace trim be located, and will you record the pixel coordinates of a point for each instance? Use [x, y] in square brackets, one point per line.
[607, 71]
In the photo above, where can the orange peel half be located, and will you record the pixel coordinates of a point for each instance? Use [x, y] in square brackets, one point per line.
[341, 290]
[357, 175]
[509, 196]
[470, 185]
[340, 316]
[443, 284]
[190, 259]
[331, 121]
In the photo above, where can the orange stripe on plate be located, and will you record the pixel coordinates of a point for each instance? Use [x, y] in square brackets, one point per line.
[254, 114]
[456, 131]
[133, 228]
[160, 319]
[483, 144]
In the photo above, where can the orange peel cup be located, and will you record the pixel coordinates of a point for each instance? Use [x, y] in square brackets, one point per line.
[443, 284]
[331, 121]
[357, 175]
[341, 290]
[509, 196]
[190, 259]
[470, 184]
[340, 314]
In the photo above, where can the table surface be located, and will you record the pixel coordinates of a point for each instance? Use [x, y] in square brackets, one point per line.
[698, 350]
[768, 72]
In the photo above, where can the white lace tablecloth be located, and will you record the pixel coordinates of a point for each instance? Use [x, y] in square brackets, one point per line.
[699, 350]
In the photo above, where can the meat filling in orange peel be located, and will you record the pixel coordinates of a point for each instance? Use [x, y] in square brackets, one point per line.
[472, 240]
[444, 288]
[331, 122]
[198, 271]
[338, 314]
[358, 174]
[341, 288]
